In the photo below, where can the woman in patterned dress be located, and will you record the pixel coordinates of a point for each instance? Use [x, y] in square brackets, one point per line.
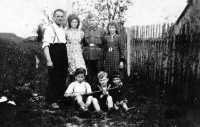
[115, 55]
[74, 46]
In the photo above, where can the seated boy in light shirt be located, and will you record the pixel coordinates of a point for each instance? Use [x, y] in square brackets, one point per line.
[78, 88]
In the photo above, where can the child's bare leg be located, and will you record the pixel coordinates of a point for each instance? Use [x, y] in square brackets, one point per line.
[80, 102]
[125, 106]
[88, 102]
[96, 104]
[116, 107]
[109, 102]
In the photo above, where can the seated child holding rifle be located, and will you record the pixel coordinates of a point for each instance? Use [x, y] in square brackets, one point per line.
[102, 100]
[78, 88]
[118, 93]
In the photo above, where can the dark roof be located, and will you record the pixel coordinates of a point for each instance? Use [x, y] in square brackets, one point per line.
[190, 2]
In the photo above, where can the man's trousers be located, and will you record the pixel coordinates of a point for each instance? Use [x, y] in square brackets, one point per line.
[57, 74]
[93, 68]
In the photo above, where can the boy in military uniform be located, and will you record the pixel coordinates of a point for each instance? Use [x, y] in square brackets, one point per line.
[94, 47]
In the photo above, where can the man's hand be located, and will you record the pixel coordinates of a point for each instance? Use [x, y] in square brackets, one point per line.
[70, 94]
[73, 94]
[70, 69]
[101, 96]
[117, 103]
[49, 63]
[68, 42]
[105, 92]
[121, 65]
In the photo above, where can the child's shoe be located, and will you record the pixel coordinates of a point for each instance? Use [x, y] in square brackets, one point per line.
[87, 113]
[84, 113]
[55, 106]
[111, 112]
[80, 112]
[99, 114]
[127, 112]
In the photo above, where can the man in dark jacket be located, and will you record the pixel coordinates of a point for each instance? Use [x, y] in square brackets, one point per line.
[94, 47]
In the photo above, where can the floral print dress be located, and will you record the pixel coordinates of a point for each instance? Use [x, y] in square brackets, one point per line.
[74, 49]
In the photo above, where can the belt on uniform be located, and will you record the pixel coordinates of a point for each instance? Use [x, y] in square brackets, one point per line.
[93, 45]
[58, 44]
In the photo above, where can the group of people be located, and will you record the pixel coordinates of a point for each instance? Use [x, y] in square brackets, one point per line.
[106, 97]
[88, 54]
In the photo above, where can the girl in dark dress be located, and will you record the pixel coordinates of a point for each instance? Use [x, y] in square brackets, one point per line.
[115, 55]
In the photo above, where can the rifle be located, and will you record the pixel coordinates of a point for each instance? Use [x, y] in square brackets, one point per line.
[94, 91]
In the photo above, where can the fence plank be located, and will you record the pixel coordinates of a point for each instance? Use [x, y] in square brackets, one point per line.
[171, 60]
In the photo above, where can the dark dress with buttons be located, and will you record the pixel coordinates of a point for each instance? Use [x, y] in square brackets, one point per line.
[114, 54]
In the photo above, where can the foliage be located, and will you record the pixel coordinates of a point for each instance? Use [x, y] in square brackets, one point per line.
[40, 32]
[106, 9]
[18, 62]
[112, 10]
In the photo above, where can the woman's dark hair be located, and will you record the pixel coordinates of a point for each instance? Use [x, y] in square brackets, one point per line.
[72, 17]
[80, 71]
[113, 23]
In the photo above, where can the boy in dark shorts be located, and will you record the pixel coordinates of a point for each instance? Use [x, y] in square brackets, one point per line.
[102, 101]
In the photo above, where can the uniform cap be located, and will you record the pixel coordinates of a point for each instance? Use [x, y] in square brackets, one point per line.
[91, 15]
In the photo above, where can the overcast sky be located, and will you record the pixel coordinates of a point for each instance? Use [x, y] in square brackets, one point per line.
[155, 11]
[22, 16]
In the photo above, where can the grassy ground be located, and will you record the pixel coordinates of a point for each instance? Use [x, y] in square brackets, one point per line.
[148, 112]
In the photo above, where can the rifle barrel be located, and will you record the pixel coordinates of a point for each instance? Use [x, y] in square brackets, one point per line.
[97, 91]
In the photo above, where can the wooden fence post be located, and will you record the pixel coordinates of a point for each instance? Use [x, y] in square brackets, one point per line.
[128, 31]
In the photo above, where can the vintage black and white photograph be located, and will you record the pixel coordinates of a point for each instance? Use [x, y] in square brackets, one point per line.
[100, 63]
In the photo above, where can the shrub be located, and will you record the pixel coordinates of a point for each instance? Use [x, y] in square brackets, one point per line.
[17, 60]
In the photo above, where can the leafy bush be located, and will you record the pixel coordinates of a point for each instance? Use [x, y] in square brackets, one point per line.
[18, 61]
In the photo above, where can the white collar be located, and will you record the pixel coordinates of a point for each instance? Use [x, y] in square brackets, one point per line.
[55, 25]
[79, 83]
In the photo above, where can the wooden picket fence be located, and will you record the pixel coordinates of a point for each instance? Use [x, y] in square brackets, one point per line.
[170, 60]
